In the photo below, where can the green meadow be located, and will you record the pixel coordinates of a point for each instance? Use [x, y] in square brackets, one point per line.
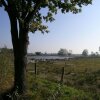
[80, 81]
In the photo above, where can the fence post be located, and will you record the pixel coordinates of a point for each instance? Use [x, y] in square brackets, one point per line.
[35, 68]
[62, 75]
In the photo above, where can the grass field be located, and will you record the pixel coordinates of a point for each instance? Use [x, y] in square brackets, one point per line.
[81, 73]
[81, 79]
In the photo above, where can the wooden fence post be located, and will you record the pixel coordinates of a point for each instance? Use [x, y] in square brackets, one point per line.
[62, 75]
[35, 68]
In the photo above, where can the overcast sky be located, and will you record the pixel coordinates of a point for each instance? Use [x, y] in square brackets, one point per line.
[71, 31]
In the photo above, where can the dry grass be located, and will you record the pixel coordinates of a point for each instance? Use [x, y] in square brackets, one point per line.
[80, 73]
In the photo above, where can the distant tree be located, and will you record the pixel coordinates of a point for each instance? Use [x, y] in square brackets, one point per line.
[62, 52]
[85, 52]
[38, 53]
[70, 52]
[97, 54]
[92, 53]
[25, 16]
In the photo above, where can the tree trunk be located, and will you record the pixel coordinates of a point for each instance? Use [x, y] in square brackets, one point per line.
[20, 43]
[21, 62]
[20, 72]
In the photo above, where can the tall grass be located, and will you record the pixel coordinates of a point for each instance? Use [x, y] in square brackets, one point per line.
[82, 74]
[6, 73]
[81, 79]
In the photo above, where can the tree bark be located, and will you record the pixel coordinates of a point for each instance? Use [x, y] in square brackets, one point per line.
[20, 44]
[21, 61]
[20, 67]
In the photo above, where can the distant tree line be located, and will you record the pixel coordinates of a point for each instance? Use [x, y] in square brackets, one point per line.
[6, 50]
[86, 53]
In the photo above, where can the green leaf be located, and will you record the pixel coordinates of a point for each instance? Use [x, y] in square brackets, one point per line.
[0, 4]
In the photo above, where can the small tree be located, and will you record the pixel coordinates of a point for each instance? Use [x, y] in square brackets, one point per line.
[69, 52]
[62, 52]
[85, 52]
[25, 16]
[38, 53]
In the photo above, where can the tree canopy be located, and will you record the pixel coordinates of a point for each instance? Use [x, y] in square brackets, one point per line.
[85, 52]
[62, 52]
[29, 11]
